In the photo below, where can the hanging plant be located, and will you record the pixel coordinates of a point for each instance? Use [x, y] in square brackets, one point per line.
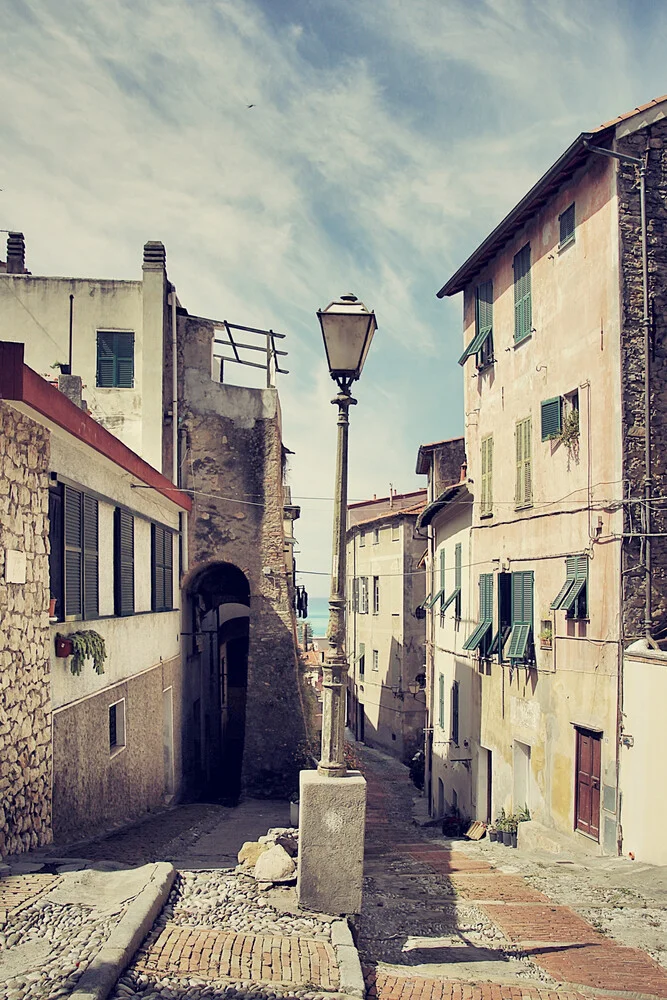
[569, 436]
[85, 645]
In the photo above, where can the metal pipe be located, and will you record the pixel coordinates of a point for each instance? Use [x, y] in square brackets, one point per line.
[174, 391]
[71, 327]
[334, 683]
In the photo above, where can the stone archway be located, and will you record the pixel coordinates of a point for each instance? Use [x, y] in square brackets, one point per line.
[218, 603]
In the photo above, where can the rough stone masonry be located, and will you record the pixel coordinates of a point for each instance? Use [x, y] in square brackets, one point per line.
[25, 687]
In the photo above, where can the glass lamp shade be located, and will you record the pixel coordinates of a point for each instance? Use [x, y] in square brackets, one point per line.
[347, 329]
[414, 687]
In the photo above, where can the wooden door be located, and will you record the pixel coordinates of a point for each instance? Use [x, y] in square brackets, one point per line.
[587, 793]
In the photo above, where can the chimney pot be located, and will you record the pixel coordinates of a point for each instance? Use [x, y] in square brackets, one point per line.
[155, 256]
[15, 253]
[464, 471]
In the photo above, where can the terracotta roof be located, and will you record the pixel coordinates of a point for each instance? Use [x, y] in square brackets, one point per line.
[558, 174]
[387, 515]
[436, 444]
[396, 496]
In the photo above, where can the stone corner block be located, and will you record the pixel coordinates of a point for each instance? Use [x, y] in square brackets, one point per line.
[332, 814]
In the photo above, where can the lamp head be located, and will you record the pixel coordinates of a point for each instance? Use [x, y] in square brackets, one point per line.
[347, 331]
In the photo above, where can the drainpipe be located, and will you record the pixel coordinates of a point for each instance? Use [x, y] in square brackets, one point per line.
[642, 163]
[174, 392]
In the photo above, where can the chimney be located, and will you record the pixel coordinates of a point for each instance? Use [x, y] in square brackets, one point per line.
[464, 471]
[155, 256]
[15, 253]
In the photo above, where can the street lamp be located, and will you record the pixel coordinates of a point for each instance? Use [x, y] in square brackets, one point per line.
[347, 330]
[330, 869]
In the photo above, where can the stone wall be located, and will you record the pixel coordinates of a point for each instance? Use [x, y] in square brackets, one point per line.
[25, 694]
[234, 450]
[447, 460]
[653, 139]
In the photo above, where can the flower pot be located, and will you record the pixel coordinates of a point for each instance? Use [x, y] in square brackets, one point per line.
[294, 814]
[507, 838]
[52, 607]
[64, 645]
[515, 840]
[493, 835]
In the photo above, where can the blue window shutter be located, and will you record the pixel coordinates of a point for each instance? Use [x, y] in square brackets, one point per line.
[551, 413]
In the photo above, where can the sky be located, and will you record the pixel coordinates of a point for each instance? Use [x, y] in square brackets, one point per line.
[387, 138]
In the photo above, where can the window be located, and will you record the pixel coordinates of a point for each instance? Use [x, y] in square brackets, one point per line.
[123, 562]
[523, 494]
[57, 550]
[482, 634]
[162, 569]
[551, 411]
[454, 735]
[355, 594]
[115, 360]
[395, 532]
[573, 595]
[376, 595]
[117, 727]
[455, 596]
[523, 317]
[362, 539]
[79, 568]
[482, 343]
[504, 615]
[441, 701]
[363, 595]
[376, 536]
[566, 220]
[361, 658]
[442, 584]
[376, 659]
[520, 639]
[486, 507]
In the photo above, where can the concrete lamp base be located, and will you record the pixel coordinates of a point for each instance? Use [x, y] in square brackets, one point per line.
[332, 815]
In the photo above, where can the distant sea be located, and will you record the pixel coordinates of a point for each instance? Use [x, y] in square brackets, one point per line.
[318, 615]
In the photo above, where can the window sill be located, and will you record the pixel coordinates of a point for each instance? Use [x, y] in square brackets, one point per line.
[522, 339]
[115, 388]
[486, 366]
[524, 506]
[566, 244]
[115, 751]
[485, 515]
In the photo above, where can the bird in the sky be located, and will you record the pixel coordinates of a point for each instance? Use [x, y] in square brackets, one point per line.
[250, 105]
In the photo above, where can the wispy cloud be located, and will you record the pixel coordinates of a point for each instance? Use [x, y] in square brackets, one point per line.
[386, 139]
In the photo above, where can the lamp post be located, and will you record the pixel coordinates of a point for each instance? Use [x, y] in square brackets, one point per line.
[332, 800]
[347, 330]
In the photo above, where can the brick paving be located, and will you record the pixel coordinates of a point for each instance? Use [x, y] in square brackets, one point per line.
[18, 891]
[584, 964]
[218, 954]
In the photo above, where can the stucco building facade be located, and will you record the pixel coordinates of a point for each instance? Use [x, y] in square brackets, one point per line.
[385, 640]
[555, 366]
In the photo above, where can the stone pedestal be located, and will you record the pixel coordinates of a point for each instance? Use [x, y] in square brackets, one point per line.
[332, 814]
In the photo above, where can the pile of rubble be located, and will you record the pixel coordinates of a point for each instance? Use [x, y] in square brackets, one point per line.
[271, 859]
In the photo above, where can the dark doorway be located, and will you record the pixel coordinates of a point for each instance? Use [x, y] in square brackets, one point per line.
[217, 682]
[361, 719]
[587, 791]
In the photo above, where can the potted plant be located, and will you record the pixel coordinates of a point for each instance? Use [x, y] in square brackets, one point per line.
[492, 833]
[511, 832]
[82, 646]
[546, 636]
[64, 645]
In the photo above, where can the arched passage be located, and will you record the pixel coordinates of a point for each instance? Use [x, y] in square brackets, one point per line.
[217, 679]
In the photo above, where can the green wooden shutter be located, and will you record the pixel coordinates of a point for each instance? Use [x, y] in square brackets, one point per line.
[90, 558]
[124, 360]
[157, 568]
[486, 506]
[124, 562]
[106, 361]
[551, 414]
[518, 450]
[168, 570]
[115, 360]
[524, 472]
[442, 580]
[441, 701]
[73, 551]
[522, 294]
[455, 713]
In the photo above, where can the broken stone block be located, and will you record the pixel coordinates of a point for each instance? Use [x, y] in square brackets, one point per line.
[251, 851]
[274, 865]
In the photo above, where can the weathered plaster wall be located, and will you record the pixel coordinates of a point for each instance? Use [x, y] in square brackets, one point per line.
[94, 789]
[25, 697]
[653, 140]
[574, 344]
[447, 460]
[234, 450]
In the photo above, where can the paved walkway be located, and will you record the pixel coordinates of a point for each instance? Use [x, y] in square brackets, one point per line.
[443, 924]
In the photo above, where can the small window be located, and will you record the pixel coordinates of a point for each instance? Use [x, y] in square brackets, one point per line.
[376, 595]
[523, 494]
[455, 714]
[523, 312]
[504, 615]
[566, 221]
[361, 658]
[376, 536]
[123, 563]
[376, 659]
[355, 595]
[81, 557]
[362, 539]
[115, 360]
[117, 727]
[455, 596]
[162, 569]
[551, 412]
[395, 532]
[482, 343]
